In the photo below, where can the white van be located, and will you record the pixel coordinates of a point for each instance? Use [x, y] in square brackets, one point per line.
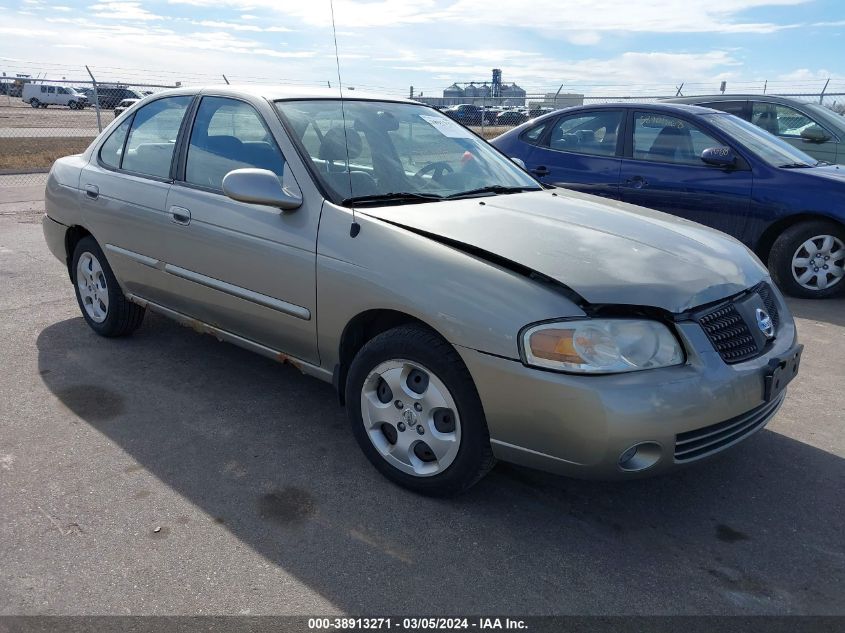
[42, 95]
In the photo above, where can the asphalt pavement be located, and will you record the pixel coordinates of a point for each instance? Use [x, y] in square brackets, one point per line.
[168, 473]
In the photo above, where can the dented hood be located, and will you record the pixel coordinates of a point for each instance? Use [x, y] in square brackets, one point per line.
[608, 252]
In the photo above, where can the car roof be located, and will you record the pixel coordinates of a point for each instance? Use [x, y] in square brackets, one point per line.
[735, 97]
[273, 93]
[659, 106]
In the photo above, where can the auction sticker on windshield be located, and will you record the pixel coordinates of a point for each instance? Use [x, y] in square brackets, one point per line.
[447, 127]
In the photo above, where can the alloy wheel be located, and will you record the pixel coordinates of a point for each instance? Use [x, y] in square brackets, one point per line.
[819, 262]
[92, 286]
[411, 417]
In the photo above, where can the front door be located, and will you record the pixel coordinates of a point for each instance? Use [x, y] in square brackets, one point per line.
[248, 269]
[787, 123]
[664, 171]
[579, 151]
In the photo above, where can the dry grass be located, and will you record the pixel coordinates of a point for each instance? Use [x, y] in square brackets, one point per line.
[491, 131]
[36, 154]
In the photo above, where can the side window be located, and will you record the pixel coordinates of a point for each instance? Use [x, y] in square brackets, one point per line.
[533, 135]
[591, 133]
[737, 108]
[62, 91]
[44, 89]
[780, 119]
[112, 150]
[229, 134]
[667, 139]
[152, 139]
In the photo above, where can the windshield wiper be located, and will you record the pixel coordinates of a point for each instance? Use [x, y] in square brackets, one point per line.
[796, 165]
[496, 189]
[394, 197]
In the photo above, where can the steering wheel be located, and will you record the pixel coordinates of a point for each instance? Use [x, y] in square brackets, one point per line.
[438, 169]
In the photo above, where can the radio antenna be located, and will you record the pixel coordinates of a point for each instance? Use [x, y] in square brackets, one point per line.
[355, 228]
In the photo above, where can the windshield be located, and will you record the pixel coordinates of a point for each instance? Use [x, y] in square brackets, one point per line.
[766, 146]
[397, 148]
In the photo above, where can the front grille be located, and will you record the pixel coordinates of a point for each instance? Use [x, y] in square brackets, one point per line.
[711, 439]
[729, 332]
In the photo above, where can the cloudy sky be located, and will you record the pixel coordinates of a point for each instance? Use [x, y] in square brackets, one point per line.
[590, 45]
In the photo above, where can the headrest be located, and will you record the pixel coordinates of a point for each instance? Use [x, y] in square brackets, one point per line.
[334, 145]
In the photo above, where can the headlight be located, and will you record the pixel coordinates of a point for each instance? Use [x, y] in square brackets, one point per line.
[601, 346]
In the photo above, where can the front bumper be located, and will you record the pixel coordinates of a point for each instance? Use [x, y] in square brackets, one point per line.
[580, 425]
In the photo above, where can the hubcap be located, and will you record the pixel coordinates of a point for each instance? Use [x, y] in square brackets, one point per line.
[819, 263]
[403, 406]
[93, 290]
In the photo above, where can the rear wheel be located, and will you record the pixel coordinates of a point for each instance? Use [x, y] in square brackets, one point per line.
[104, 306]
[416, 414]
[34, 102]
[808, 260]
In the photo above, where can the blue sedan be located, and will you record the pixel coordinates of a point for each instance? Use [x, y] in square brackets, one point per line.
[706, 166]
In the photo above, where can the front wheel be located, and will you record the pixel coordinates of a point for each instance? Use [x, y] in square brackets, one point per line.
[416, 414]
[104, 306]
[808, 260]
[34, 103]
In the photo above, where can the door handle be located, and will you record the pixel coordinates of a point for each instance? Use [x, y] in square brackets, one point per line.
[540, 171]
[637, 182]
[180, 215]
[92, 191]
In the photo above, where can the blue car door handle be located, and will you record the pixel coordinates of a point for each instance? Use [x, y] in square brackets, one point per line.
[540, 171]
[637, 182]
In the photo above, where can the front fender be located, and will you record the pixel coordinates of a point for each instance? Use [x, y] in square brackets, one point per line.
[470, 301]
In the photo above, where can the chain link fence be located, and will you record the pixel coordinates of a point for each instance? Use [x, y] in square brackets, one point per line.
[43, 119]
[491, 116]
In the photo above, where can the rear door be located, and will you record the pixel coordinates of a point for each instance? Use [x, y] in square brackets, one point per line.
[663, 170]
[249, 269]
[124, 192]
[580, 151]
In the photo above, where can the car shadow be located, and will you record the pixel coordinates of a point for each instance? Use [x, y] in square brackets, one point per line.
[266, 452]
[826, 310]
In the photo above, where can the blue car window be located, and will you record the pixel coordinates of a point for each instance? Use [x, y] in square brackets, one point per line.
[667, 139]
[593, 133]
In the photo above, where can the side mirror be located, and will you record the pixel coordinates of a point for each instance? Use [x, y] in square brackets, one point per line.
[815, 134]
[260, 186]
[719, 157]
[520, 163]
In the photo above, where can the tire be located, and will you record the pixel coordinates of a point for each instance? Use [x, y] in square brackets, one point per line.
[116, 315]
[71, 105]
[34, 102]
[795, 246]
[459, 454]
